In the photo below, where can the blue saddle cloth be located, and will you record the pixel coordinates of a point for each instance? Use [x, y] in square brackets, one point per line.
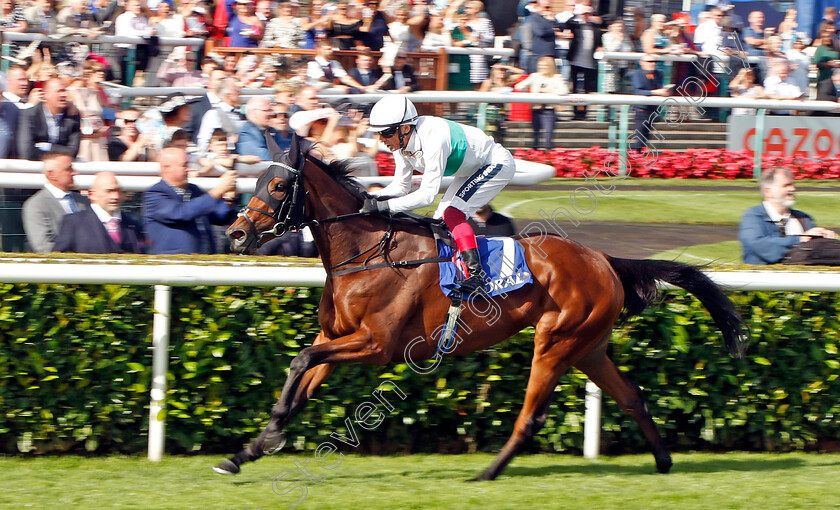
[503, 260]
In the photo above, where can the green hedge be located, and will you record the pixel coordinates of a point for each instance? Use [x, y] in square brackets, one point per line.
[75, 373]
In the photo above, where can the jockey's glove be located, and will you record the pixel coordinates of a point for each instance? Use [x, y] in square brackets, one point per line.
[374, 205]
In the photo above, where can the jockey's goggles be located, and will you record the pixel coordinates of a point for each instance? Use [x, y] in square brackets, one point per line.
[389, 132]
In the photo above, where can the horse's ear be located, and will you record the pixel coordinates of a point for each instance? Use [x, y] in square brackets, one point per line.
[273, 148]
[295, 155]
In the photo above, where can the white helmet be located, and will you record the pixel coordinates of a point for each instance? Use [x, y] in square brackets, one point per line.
[392, 111]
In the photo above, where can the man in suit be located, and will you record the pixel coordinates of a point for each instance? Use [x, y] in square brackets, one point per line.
[178, 215]
[646, 81]
[13, 103]
[829, 90]
[17, 86]
[402, 78]
[102, 228]
[324, 72]
[223, 115]
[368, 76]
[200, 106]
[43, 211]
[52, 125]
[306, 100]
[251, 140]
[768, 230]
[8, 124]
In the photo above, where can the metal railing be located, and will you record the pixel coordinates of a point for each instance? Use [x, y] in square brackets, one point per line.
[17, 173]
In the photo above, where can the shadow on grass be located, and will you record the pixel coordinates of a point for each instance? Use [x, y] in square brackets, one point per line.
[680, 466]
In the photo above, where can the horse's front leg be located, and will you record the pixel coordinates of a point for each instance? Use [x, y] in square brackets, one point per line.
[306, 373]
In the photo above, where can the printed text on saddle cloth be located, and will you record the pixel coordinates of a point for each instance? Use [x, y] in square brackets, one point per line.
[503, 260]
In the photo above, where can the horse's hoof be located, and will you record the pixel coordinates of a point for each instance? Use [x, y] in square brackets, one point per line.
[483, 477]
[274, 444]
[226, 467]
[663, 466]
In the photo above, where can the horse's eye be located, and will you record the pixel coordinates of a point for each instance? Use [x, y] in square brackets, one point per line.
[277, 188]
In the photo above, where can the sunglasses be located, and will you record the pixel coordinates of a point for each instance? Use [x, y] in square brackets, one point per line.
[388, 133]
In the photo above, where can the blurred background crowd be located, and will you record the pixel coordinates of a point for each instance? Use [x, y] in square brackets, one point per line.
[61, 91]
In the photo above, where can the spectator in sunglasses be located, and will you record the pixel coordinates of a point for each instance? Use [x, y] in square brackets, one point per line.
[280, 123]
[130, 144]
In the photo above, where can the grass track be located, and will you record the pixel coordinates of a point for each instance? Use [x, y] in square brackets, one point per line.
[698, 481]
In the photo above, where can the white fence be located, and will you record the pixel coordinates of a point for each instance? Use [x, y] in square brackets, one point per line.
[18, 173]
[164, 275]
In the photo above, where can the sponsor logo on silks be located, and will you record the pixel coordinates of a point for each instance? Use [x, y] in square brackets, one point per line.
[483, 175]
[500, 284]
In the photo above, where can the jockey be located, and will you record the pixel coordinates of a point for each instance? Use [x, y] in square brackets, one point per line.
[438, 147]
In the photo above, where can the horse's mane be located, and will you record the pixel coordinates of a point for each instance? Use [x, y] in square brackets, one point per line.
[340, 171]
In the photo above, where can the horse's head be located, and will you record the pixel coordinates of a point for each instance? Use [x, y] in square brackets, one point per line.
[276, 207]
[280, 202]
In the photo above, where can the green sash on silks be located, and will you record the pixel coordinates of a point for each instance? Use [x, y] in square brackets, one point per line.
[459, 148]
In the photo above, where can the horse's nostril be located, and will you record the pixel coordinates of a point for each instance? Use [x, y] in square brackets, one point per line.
[236, 235]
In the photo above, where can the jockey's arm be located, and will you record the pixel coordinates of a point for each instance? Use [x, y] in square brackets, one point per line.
[424, 196]
[401, 183]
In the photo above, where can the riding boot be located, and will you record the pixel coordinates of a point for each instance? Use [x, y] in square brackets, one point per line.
[475, 274]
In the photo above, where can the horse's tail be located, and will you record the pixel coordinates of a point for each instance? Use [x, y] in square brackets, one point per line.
[638, 277]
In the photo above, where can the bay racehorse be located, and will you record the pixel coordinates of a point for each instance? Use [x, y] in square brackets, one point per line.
[381, 295]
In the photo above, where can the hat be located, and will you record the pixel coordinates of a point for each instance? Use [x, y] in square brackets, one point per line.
[300, 121]
[172, 103]
[242, 2]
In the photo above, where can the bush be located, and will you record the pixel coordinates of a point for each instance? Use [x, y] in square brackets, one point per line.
[75, 370]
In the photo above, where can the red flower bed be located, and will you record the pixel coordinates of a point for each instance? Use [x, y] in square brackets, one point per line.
[689, 164]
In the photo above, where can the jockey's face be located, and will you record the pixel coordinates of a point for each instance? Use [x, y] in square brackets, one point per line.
[393, 141]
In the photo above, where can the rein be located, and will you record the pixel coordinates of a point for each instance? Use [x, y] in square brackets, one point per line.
[378, 249]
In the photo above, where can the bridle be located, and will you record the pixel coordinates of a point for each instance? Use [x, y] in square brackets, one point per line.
[290, 214]
[284, 221]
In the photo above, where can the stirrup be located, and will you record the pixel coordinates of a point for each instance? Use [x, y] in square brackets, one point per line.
[446, 342]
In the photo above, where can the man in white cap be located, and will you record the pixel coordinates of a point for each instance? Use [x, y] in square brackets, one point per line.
[439, 147]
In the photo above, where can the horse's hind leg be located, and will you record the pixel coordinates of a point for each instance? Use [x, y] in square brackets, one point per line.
[271, 438]
[545, 372]
[603, 372]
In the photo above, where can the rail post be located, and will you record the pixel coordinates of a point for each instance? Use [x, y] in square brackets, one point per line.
[160, 366]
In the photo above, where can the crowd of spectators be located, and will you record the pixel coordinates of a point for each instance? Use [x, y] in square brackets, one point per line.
[54, 103]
